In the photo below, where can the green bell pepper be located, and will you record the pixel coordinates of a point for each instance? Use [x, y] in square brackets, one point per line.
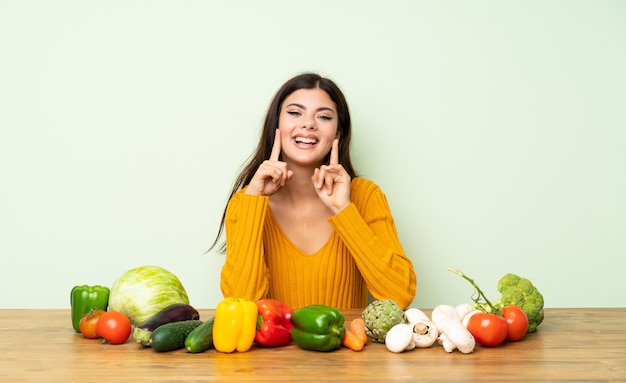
[317, 328]
[85, 298]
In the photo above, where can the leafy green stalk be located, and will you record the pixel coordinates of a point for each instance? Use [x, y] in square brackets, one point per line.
[480, 293]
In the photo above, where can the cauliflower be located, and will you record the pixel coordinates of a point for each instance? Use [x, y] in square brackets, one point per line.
[521, 292]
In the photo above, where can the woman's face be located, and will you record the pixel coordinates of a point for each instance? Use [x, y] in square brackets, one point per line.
[308, 126]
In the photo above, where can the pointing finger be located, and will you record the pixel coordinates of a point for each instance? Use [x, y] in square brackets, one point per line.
[276, 148]
[334, 153]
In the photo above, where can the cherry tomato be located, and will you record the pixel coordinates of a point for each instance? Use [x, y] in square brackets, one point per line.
[114, 327]
[516, 321]
[488, 329]
[87, 324]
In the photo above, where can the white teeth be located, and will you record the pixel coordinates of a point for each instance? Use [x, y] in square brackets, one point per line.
[306, 140]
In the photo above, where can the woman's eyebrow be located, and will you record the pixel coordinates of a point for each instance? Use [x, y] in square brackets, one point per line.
[322, 108]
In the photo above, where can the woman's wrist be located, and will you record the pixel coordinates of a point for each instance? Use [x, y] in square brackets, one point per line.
[338, 209]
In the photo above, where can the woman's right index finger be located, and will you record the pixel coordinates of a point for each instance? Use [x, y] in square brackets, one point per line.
[276, 148]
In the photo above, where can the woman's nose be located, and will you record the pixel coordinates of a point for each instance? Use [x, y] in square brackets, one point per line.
[308, 124]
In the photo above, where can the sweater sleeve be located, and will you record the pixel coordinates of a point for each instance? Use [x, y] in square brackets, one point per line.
[244, 274]
[369, 232]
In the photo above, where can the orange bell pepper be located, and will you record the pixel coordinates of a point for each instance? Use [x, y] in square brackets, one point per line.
[234, 327]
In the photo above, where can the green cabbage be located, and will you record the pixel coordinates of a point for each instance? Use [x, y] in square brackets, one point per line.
[144, 291]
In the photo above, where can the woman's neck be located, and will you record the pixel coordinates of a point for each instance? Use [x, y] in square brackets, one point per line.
[300, 186]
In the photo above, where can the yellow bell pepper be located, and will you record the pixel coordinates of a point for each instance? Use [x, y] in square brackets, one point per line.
[235, 325]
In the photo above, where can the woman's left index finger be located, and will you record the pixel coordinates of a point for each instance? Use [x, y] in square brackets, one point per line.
[334, 153]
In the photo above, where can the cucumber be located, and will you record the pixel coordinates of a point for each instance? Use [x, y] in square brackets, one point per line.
[171, 336]
[201, 338]
[175, 313]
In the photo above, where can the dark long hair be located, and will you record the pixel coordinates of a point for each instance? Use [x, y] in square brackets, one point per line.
[264, 148]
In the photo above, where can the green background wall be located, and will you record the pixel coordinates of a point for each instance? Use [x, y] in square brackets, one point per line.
[496, 129]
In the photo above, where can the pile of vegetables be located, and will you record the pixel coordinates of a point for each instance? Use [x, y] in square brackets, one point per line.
[519, 311]
[517, 291]
[150, 304]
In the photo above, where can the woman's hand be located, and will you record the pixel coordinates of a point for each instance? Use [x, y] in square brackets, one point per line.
[332, 182]
[272, 174]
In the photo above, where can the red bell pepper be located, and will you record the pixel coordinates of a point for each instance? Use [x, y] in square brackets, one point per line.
[273, 323]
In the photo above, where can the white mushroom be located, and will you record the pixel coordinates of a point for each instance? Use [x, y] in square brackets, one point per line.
[414, 315]
[465, 312]
[463, 309]
[424, 330]
[452, 334]
[425, 334]
[400, 338]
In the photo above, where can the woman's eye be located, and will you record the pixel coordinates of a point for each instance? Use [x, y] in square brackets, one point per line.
[293, 113]
[327, 118]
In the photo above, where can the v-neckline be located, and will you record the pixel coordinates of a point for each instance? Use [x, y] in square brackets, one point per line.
[292, 244]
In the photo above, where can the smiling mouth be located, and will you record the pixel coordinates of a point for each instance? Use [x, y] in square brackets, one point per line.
[305, 140]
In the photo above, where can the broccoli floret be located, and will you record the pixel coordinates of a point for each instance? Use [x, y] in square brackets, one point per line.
[521, 292]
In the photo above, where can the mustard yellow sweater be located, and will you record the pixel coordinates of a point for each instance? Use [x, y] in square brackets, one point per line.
[363, 253]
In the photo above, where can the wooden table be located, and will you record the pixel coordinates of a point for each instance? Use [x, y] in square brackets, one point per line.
[571, 344]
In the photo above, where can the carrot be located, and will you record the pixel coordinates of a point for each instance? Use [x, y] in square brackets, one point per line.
[352, 341]
[355, 337]
[357, 326]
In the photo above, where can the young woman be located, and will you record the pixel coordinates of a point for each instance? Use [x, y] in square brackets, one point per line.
[301, 227]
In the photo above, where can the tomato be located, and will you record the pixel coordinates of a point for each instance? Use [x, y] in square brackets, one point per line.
[488, 329]
[517, 323]
[114, 327]
[87, 324]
